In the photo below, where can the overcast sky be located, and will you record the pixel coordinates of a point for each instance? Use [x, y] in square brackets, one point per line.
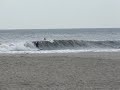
[59, 14]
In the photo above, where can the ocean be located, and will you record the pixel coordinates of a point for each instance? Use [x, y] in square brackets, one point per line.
[60, 40]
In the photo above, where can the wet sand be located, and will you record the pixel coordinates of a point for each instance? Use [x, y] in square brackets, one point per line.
[73, 71]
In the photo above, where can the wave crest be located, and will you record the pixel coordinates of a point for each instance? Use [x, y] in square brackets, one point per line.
[75, 44]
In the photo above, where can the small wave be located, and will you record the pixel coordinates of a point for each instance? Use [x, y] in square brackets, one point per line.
[60, 45]
[75, 44]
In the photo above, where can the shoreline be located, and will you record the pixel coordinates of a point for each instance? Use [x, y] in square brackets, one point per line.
[80, 54]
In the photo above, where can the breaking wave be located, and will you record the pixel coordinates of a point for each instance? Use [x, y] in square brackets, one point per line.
[75, 44]
[59, 45]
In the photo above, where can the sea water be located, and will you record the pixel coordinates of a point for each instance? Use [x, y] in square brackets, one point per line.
[60, 40]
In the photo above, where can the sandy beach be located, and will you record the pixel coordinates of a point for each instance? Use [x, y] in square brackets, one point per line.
[73, 71]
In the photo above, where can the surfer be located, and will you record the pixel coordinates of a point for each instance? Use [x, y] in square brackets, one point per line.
[37, 44]
[45, 39]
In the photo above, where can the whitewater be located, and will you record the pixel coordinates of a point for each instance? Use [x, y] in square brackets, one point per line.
[60, 40]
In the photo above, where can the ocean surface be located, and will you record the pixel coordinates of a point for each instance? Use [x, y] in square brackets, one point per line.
[60, 40]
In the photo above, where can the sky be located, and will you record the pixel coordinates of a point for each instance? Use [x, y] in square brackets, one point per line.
[39, 14]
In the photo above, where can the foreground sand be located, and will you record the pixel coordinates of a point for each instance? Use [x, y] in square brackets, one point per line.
[79, 71]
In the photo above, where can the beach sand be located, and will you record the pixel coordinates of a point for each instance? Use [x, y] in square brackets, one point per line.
[73, 71]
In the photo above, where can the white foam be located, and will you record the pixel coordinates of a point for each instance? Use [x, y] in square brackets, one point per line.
[59, 51]
[17, 46]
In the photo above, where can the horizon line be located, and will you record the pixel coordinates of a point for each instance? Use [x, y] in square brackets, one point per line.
[52, 28]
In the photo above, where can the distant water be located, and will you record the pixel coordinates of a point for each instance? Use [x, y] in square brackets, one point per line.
[59, 40]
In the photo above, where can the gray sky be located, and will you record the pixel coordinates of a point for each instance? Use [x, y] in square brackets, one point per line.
[59, 13]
